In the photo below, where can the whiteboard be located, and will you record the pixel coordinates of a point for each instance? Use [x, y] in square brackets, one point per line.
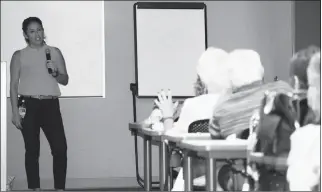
[75, 27]
[169, 39]
[3, 127]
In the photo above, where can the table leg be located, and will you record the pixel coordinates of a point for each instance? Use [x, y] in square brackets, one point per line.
[147, 164]
[187, 172]
[235, 181]
[170, 183]
[211, 175]
[163, 165]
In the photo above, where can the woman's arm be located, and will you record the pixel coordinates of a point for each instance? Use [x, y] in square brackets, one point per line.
[15, 66]
[168, 124]
[61, 75]
[165, 104]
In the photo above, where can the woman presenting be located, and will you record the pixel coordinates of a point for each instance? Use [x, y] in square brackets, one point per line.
[36, 71]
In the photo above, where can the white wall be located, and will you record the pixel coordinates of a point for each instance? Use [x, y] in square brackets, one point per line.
[3, 126]
[265, 26]
[307, 24]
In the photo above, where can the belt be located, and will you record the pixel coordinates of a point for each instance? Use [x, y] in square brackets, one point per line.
[40, 97]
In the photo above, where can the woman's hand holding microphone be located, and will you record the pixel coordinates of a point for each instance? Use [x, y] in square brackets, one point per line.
[52, 66]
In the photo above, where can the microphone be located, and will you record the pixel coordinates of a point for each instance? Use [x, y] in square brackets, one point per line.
[48, 58]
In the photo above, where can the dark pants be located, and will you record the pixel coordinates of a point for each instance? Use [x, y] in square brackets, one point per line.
[46, 114]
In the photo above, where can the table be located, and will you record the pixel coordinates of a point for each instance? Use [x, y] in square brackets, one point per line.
[172, 139]
[158, 138]
[211, 150]
[149, 136]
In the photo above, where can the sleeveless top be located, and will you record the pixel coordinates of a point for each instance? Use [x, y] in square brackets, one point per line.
[34, 76]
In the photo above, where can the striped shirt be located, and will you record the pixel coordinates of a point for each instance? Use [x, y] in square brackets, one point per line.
[232, 115]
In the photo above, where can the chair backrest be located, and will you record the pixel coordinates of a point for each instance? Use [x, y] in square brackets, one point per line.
[199, 126]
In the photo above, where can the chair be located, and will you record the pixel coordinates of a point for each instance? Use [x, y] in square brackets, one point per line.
[199, 126]
[226, 171]
[195, 127]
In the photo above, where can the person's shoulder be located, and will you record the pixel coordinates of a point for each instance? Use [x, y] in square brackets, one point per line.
[56, 49]
[19, 51]
[187, 102]
[309, 130]
[282, 83]
[201, 99]
[16, 54]
[278, 86]
[209, 96]
[314, 127]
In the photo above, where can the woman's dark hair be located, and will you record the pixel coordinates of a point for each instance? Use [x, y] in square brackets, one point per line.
[299, 64]
[26, 23]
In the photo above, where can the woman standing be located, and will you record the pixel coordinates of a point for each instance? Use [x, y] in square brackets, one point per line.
[35, 73]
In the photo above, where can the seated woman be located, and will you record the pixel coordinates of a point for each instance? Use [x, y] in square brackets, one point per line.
[298, 67]
[303, 172]
[231, 116]
[212, 82]
[277, 124]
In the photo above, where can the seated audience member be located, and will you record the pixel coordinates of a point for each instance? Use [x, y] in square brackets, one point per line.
[212, 82]
[231, 116]
[303, 172]
[298, 67]
[273, 178]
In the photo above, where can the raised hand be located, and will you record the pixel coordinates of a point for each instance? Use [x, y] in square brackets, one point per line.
[165, 104]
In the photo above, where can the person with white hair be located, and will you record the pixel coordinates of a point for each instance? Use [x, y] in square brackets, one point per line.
[212, 82]
[304, 165]
[231, 116]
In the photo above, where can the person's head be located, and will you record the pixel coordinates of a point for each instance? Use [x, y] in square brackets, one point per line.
[314, 85]
[299, 64]
[33, 31]
[245, 67]
[212, 72]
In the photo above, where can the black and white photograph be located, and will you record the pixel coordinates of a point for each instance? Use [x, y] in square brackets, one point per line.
[161, 95]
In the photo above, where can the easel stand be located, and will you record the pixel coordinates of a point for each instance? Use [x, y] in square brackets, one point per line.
[133, 88]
